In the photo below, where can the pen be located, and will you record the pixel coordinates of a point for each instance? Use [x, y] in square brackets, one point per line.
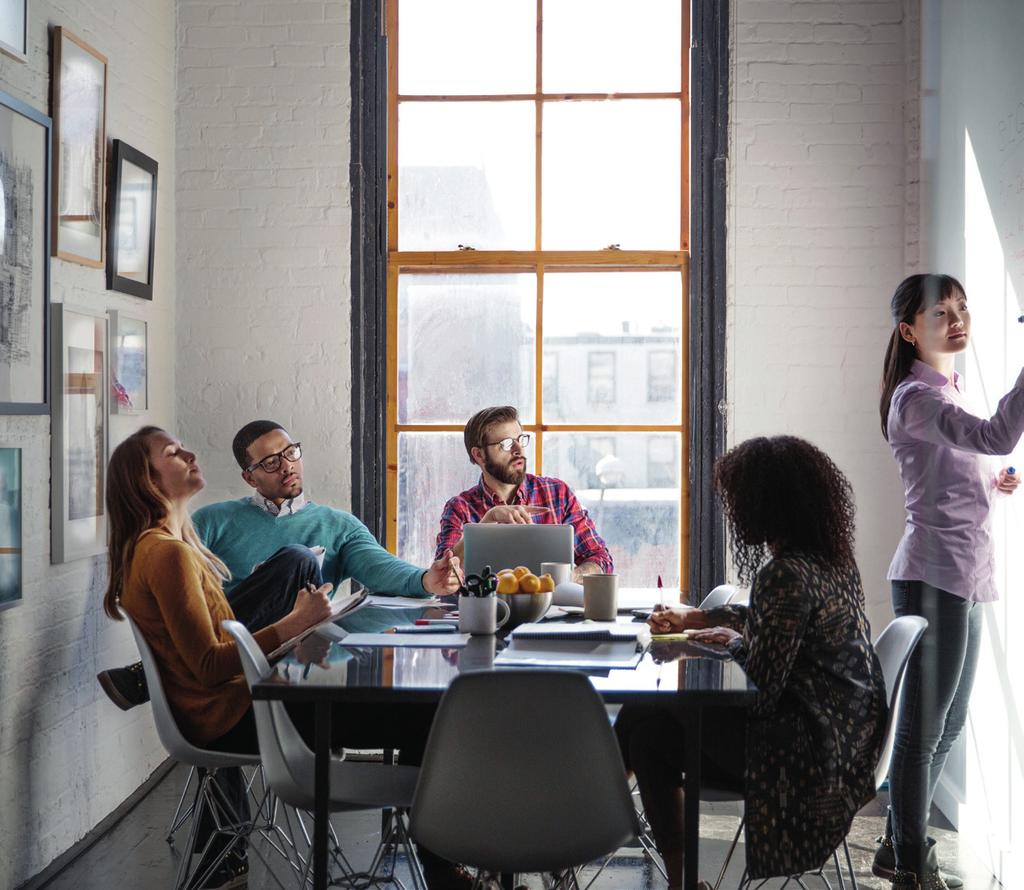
[436, 621]
[661, 593]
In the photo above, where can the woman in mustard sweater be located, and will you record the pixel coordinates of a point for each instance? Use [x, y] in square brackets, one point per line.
[171, 586]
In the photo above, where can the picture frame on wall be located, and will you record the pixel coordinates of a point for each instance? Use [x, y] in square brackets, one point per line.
[131, 231]
[10, 527]
[79, 434]
[129, 361]
[14, 28]
[25, 143]
[79, 89]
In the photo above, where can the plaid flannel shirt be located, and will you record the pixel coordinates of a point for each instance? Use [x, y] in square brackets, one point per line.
[534, 491]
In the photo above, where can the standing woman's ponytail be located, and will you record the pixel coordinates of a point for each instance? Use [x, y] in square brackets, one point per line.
[913, 294]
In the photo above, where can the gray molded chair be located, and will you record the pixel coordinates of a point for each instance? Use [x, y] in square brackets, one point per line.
[721, 595]
[288, 767]
[893, 647]
[209, 797]
[522, 774]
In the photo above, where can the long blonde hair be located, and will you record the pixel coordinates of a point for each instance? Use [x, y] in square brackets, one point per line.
[135, 505]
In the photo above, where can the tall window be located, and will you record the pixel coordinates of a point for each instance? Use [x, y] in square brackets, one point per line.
[538, 213]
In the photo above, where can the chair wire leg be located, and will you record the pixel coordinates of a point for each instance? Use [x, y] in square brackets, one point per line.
[180, 818]
[849, 865]
[728, 856]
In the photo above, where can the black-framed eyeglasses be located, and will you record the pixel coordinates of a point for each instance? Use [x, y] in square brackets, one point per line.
[506, 444]
[272, 462]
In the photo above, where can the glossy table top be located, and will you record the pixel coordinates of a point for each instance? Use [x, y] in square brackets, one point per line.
[692, 673]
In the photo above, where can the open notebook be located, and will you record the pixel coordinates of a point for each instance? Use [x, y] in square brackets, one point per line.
[340, 607]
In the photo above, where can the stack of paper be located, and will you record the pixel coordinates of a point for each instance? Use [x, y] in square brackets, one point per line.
[597, 645]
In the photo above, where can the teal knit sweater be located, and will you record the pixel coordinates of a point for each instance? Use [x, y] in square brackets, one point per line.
[243, 535]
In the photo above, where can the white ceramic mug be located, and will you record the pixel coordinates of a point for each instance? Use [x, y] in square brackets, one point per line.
[600, 597]
[479, 614]
[560, 572]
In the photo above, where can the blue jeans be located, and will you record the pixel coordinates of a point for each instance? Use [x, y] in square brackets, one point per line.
[933, 710]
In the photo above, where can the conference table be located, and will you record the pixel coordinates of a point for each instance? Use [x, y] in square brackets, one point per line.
[684, 675]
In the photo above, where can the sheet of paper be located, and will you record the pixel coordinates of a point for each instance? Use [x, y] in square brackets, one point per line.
[593, 656]
[405, 602]
[421, 641]
[584, 630]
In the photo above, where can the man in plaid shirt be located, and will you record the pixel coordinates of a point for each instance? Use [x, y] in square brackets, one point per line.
[496, 443]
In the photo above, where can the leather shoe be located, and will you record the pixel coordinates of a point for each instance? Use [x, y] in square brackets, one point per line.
[125, 686]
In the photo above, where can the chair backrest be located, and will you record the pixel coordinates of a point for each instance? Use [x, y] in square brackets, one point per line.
[180, 748]
[718, 596]
[522, 774]
[894, 647]
[287, 761]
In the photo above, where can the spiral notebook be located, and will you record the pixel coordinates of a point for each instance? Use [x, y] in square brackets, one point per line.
[598, 631]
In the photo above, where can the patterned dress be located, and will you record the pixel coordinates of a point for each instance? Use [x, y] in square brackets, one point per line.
[816, 729]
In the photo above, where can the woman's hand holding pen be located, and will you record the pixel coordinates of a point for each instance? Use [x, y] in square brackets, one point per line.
[311, 607]
[674, 619]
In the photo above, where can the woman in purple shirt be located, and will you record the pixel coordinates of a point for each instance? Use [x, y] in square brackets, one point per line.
[943, 567]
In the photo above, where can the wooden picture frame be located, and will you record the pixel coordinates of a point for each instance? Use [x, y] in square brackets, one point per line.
[79, 98]
[14, 29]
[129, 363]
[131, 230]
[10, 527]
[79, 434]
[25, 145]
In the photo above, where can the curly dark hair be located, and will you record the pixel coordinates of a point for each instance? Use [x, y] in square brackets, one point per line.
[784, 494]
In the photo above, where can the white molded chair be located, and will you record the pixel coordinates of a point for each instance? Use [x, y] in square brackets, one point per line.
[721, 595]
[522, 774]
[288, 768]
[209, 797]
[893, 647]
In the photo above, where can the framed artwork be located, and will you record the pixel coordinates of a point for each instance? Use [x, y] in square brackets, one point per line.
[14, 28]
[10, 527]
[25, 258]
[131, 231]
[79, 84]
[129, 354]
[78, 522]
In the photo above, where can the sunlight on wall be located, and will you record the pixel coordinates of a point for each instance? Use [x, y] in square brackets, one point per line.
[986, 770]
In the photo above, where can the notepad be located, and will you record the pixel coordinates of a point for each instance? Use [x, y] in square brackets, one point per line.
[340, 607]
[580, 654]
[607, 631]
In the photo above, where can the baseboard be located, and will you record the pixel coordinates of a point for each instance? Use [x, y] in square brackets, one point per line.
[99, 830]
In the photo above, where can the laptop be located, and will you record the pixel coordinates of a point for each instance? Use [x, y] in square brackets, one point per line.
[503, 546]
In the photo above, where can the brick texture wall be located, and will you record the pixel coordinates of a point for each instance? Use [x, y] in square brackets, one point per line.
[817, 197]
[67, 756]
[263, 233]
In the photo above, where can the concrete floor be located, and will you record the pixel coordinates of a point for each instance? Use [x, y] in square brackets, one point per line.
[135, 854]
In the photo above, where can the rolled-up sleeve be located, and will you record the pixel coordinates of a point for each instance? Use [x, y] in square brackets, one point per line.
[590, 546]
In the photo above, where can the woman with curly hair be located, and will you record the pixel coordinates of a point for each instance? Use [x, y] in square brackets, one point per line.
[813, 736]
[944, 565]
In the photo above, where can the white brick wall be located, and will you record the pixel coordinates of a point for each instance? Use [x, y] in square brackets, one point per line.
[263, 232]
[67, 756]
[816, 240]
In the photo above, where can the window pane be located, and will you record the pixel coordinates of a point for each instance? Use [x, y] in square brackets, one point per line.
[465, 342]
[607, 46]
[611, 175]
[466, 175]
[467, 47]
[604, 329]
[432, 468]
[635, 511]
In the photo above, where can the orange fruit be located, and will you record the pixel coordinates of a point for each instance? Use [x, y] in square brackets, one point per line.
[547, 584]
[529, 583]
[520, 571]
[508, 583]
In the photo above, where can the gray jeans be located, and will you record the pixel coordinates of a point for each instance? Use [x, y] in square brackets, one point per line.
[936, 691]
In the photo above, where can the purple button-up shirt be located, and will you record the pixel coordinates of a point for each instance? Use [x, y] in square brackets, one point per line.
[938, 445]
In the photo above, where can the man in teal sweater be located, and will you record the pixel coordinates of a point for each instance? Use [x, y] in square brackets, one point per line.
[251, 533]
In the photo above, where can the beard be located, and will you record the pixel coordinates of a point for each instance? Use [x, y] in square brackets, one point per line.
[505, 473]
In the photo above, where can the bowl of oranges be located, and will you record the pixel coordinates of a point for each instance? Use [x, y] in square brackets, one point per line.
[528, 595]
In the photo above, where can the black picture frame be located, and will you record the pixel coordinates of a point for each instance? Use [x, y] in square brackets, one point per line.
[26, 151]
[131, 229]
